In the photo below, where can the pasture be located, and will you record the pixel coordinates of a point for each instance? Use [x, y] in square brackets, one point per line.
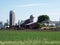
[29, 38]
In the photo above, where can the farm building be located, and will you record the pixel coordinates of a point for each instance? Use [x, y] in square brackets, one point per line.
[1, 25]
[29, 23]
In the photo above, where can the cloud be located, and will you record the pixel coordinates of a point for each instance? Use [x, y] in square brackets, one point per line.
[30, 5]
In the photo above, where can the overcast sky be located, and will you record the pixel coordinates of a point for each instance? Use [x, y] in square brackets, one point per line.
[24, 8]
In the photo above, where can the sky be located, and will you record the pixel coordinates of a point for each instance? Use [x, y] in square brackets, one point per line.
[24, 8]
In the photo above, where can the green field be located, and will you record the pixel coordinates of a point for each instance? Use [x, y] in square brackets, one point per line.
[29, 38]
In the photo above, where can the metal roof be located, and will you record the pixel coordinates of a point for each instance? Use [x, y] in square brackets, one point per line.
[30, 23]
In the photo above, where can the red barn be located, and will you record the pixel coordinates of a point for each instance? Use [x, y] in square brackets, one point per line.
[31, 25]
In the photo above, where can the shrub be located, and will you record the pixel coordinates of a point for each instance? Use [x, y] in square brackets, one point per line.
[39, 25]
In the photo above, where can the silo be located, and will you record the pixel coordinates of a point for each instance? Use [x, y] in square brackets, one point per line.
[12, 18]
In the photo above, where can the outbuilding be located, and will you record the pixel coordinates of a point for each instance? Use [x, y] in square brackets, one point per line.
[1, 25]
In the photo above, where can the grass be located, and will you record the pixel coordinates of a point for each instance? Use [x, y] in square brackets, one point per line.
[29, 38]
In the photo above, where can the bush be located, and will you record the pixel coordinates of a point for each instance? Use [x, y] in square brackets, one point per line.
[39, 25]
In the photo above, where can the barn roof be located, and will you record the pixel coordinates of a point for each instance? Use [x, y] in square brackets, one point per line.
[30, 23]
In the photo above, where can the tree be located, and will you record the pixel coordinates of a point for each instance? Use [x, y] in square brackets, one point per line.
[42, 18]
[5, 24]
